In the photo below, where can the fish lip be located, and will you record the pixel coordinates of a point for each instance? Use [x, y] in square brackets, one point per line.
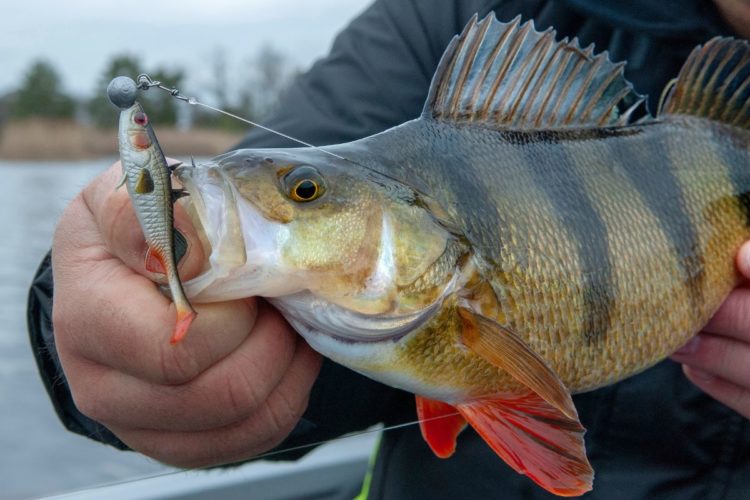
[211, 222]
[194, 205]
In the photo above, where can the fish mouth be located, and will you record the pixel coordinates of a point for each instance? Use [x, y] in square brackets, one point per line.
[212, 208]
[242, 245]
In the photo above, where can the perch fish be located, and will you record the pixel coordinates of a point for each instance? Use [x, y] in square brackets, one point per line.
[523, 239]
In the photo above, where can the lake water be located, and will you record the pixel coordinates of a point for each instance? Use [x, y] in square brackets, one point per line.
[37, 455]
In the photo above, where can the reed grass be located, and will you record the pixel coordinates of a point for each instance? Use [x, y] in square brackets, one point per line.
[44, 139]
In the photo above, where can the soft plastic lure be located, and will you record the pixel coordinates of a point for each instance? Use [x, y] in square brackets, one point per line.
[147, 177]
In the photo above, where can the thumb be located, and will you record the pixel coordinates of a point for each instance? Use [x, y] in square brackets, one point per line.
[122, 234]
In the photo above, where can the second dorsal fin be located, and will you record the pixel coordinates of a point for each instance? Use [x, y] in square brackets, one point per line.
[510, 76]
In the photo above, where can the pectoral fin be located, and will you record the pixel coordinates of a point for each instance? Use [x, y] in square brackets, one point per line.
[535, 439]
[503, 348]
[440, 424]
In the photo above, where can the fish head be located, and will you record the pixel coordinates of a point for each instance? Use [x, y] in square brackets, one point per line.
[301, 223]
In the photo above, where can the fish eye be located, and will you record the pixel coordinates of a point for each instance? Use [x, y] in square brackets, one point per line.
[304, 184]
[305, 190]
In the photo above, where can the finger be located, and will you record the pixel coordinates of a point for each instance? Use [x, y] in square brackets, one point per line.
[722, 357]
[257, 433]
[137, 334]
[734, 396]
[227, 392]
[97, 295]
[122, 234]
[733, 317]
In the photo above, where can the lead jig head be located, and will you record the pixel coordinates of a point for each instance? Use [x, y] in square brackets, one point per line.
[122, 92]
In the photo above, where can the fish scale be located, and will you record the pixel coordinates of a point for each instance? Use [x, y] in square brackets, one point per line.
[541, 291]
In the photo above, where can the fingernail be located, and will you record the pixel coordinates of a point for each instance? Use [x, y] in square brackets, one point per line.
[697, 375]
[690, 347]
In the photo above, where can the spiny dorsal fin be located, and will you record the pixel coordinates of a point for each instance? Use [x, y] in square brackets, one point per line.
[714, 83]
[508, 75]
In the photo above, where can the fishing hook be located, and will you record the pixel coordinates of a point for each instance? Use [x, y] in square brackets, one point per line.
[145, 82]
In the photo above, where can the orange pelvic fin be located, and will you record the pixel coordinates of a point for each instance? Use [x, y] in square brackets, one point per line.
[536, 439]
[440, 424]
[184, 318]
[155, 262]
[502, 348]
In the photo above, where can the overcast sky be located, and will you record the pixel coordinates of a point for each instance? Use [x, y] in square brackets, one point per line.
[80, 36]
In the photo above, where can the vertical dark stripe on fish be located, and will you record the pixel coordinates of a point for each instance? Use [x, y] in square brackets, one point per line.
[662, 193]
[566, 191]
[464, 189]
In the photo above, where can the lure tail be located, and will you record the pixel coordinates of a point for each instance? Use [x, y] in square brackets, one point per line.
[185, 317]
[156, 263]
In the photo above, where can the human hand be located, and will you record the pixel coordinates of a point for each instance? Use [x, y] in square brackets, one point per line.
[234, 388]
[718, 359]
[736, 14]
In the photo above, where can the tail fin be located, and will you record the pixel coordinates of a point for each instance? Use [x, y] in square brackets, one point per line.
[714, 83]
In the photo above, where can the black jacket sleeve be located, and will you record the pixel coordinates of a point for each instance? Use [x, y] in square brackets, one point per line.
[41, 335]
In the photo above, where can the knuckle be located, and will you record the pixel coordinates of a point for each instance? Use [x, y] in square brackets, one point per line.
[184, 454]
[242, 394]
[89, 403]
[66, 325]
[60, 320]
[177, 366]
[285, 412]
[176, 459]
[165, 450]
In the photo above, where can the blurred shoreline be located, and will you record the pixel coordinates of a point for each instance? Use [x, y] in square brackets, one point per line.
[49, 139]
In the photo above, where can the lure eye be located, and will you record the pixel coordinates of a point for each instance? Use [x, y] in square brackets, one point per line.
[140, 119]
[304, 184]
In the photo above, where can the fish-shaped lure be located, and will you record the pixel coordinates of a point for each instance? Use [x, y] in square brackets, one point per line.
[147, 177]
[521, 240]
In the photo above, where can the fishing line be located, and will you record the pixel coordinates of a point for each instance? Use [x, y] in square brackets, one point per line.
[348, 436]
[145, 82]
[75, 493]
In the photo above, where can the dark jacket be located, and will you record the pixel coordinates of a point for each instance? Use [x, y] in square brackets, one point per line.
[652, 436]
